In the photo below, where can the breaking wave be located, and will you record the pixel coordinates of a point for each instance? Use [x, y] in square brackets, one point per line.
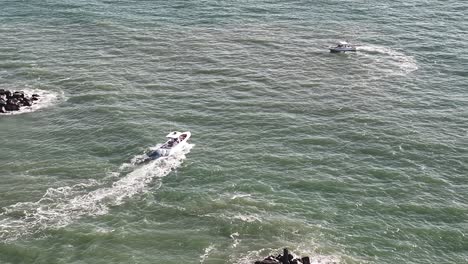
[60, 207]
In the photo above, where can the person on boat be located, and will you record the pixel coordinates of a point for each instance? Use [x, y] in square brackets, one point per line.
[171, 143]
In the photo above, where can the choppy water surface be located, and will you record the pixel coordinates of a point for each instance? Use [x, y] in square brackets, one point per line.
[348, 158]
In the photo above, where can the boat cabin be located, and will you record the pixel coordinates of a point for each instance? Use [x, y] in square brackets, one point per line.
[174, 134]
[343, 44]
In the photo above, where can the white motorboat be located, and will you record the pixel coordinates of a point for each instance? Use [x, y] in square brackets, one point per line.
[176, 141]
[343, 46]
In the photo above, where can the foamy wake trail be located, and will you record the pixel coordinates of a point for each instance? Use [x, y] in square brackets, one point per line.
[61, 206]
[394, 58]
[46, 99]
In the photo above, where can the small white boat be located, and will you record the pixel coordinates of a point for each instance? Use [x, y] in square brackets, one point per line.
[343, 46]
[176, 141]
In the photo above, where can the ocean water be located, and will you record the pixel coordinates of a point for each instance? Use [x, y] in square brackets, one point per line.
[345, 158]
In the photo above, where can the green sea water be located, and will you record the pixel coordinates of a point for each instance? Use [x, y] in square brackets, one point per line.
[345, 158]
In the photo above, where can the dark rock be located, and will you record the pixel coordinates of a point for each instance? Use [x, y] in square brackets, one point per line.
[265, 261]
[18, 95]
[26, 102]
[268, 260]
[12, 101]
[286, 258]
[12, 107]
[12, 104]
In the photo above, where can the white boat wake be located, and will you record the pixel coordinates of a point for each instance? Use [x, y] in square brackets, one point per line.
[60, 207]
[397, 59]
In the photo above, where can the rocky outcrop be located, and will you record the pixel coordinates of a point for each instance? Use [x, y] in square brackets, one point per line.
[286, 258]
[13, 101]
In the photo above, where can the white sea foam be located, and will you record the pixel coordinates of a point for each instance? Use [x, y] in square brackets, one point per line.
[250, 257]
[247, 218]
[207, 252]
[240, 195]
[61, 206]
[46, 99]
[305, 249]
[390, 57]
[234, 238]
[233, 216]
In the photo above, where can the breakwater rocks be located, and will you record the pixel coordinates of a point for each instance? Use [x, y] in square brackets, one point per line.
[13, 101]
[286, 258]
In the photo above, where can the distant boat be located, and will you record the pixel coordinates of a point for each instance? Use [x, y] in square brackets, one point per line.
[176, 141]
[343, 46]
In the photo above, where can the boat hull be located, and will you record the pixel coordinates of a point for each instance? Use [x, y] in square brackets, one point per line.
[341, 50]
[165, 151]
